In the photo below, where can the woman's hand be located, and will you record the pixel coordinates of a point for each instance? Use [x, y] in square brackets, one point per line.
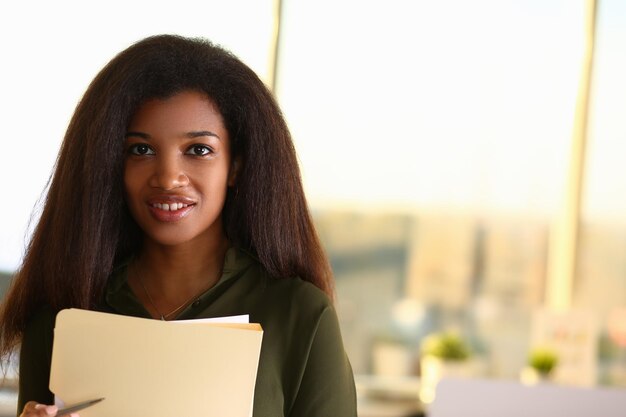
[33, 409]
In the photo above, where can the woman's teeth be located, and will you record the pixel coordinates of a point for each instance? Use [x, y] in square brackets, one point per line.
[170, 207]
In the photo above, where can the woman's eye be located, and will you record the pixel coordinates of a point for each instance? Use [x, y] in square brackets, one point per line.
[199, 150]
[140, 149]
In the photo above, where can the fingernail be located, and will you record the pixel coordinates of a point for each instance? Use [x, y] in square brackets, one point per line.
[39, 406]
[51, 410]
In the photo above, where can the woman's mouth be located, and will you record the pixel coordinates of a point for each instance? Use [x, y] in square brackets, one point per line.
[170, 206]
[170, 212]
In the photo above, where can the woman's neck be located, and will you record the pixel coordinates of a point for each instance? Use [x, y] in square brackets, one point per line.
[164, 277]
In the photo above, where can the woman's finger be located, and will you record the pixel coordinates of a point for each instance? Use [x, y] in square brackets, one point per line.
[33, 409]
[50, 410]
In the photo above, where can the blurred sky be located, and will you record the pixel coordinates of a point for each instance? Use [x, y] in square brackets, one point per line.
[605, 185]
[453, 104]
[459, 104]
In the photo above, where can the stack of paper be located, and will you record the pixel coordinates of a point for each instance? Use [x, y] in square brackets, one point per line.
[154, 368]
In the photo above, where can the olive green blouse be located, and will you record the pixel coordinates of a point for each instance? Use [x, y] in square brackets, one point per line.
[303, 369]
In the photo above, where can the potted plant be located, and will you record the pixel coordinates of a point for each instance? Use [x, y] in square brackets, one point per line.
[446, 347]
[442, 355]
[540, 365]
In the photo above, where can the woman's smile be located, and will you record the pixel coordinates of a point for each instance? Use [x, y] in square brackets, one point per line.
[170, 213]
[170, 208]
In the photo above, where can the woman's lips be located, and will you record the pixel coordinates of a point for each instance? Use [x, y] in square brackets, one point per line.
[170, 215]
[170, 208]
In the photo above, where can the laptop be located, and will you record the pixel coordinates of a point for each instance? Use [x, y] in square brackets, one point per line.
[498, 398]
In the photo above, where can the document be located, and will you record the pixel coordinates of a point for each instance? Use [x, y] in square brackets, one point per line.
[145, 367]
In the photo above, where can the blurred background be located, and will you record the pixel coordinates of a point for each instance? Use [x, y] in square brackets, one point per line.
[464, 161]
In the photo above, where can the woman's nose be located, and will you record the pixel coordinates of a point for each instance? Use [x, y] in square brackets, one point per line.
[169, 174]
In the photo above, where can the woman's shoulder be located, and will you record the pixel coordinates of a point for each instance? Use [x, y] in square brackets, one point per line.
[295, 289]
[300, 291]
[294, 292]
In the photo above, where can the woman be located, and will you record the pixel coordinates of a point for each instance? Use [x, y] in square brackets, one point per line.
[177, 195]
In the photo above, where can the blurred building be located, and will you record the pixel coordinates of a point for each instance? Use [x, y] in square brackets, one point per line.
[402, 276]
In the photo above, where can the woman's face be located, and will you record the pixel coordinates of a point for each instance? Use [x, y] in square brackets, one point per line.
[177, 169]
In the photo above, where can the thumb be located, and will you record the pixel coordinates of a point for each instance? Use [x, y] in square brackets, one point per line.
[50, 410]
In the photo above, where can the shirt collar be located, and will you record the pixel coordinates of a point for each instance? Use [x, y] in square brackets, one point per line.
[121, 299]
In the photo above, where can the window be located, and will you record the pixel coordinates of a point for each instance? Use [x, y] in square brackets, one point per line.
[435, 139]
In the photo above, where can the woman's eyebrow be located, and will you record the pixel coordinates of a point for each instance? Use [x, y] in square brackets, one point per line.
[193, 134]
[199, 133]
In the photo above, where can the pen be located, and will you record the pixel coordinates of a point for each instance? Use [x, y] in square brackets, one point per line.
[77, 407]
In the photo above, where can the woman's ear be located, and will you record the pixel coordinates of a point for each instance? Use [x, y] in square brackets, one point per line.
[235, 167]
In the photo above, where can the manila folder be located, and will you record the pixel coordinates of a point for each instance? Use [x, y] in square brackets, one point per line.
[152, 368]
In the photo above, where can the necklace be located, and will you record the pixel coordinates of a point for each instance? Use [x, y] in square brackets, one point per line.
[162, 316]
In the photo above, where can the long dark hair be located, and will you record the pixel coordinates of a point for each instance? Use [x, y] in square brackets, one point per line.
[85, 226]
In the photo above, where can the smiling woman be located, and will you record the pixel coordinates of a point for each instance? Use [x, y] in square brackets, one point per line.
[181, 198]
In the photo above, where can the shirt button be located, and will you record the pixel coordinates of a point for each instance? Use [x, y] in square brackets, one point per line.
[196, 303]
